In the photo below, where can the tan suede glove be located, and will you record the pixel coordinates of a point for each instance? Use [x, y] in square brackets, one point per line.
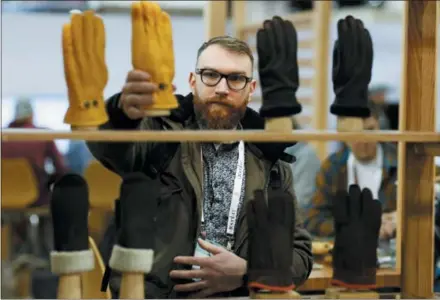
[85, 70]
[152, 52]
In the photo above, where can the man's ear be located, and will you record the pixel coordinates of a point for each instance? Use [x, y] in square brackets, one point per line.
[252, 87]
[192, 82]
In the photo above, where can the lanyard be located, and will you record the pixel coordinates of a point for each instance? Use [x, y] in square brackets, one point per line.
[236, 195]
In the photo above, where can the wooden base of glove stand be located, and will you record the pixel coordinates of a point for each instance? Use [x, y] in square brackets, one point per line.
[350, 124]
[157, 113]
[85, 128]
[274, 295]
[69, 286]
[284, 124]
[343, 293]
[132, 286]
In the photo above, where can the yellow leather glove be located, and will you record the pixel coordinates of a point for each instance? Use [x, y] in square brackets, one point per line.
[85, 70]
[152, 52]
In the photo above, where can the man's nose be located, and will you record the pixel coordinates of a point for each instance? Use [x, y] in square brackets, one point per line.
[222, 87]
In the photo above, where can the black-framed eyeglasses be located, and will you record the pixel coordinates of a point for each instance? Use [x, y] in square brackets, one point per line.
[236, 82]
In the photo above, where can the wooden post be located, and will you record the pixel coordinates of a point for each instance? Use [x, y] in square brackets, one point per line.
[215, 16]
[321, 21]
[239, 19]
[416, 171]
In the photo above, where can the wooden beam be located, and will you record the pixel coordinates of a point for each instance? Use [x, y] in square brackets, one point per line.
[217, 136]
[428, 149]
[416, 172]
[215, 16]
[321, 21]
[239, 18]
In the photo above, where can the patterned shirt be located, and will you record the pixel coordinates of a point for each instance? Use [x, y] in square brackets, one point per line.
[220, 166]
[333, 177]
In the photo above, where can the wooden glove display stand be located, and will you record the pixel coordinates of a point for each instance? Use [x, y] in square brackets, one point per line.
[350, 124]
[274, 295]
[344, 293]
[283, 124]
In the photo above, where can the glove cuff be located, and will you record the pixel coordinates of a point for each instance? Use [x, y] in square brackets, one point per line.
[131, 260]
[73, 262]
[117, 117]
[280, 103]
[354, 280]
[343, 110]
[275, 280]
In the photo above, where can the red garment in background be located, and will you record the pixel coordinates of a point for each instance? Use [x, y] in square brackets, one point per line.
[36, 152]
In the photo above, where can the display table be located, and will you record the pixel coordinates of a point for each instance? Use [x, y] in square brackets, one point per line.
[319, 280]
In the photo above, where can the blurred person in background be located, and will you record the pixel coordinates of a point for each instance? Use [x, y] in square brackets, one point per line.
[304, 169]
[370, 165]
[37, 153]
[78, 157]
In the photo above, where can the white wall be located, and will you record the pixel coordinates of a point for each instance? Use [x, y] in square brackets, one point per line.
[32, 58]
[32, 61]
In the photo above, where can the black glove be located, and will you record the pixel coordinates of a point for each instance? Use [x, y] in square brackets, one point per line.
[134, 251]
[138, 205]
[357, 218]
[70, 209]
[352, 65]
[270, 242]
[278, 68]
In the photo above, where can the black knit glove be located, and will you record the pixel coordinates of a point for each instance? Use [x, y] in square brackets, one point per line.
[357, 218]
[270, 242]
[69, 208]
[278, 68]
[352, 65]
[138, 205]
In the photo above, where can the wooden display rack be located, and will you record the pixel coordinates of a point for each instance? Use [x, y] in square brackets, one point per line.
[418, 141]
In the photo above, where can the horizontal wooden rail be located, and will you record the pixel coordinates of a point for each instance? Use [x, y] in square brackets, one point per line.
[218, 136]
[428, 149]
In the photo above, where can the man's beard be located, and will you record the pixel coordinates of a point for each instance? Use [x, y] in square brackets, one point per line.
[217, 113]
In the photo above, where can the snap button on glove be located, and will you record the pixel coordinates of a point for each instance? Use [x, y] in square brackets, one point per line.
[357, 218]
[153, 51]
[85, 69]
[69, 208]
[352, 67]
[278, 68]
[270, 242]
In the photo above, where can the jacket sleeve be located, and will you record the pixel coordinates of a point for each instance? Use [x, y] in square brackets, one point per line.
[302, 253]
[122, 157]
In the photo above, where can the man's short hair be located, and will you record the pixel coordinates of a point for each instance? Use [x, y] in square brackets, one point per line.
[229, 43]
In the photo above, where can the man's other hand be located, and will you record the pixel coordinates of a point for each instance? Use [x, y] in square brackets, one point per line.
[388, 227]
[221, 272]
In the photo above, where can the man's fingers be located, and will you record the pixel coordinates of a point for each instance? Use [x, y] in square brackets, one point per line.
[191, 287]
[188, 274]
[130, 100]
[192, 260]
[138, 75]
[210, 247]
[139, 87]
[134, 113]
[202, 294]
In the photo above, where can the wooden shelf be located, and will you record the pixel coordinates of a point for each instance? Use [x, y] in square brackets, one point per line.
[319, 280]
[219, 136]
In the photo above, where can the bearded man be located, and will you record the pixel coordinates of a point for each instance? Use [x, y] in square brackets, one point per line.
[196, 253]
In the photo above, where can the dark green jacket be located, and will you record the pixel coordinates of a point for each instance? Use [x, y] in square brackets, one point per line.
[181, 184]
